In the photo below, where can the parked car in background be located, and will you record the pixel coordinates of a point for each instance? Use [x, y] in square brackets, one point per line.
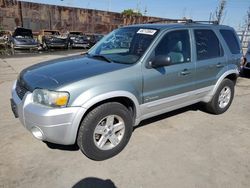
[4, 37]
[22, 38]
[78, 40]
[94, 38]
[246, 62]
[53, 39]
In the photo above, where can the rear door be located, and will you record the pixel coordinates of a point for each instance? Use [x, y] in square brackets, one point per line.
[210, 58]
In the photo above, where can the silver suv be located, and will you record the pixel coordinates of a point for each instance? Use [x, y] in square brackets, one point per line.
[132, 74]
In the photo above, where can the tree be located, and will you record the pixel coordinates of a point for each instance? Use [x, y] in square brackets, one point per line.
[247, 21]
[220, 11]
[130, 13]
[246, 30]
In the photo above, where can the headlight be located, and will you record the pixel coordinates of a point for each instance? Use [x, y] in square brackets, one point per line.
[51, 98]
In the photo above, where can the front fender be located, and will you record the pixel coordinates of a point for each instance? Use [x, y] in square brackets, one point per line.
[98, 94]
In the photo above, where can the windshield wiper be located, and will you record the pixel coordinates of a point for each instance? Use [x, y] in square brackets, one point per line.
[102, 57]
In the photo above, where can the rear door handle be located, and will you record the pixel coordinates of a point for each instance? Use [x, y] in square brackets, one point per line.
[219, 65]
[185, 72]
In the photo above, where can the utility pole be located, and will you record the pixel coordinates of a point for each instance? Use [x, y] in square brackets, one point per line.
[20, 12]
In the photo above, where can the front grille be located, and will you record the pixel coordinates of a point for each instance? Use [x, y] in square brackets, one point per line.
[20, 90]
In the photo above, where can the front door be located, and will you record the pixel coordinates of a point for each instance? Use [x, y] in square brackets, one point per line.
[169, 86]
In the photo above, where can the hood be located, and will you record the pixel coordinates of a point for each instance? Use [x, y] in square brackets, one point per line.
[57, 73]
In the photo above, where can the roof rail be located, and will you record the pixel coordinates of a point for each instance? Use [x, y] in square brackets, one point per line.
[208, 22]
[187, 21]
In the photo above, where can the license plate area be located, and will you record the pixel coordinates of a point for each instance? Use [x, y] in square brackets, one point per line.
[14, 108]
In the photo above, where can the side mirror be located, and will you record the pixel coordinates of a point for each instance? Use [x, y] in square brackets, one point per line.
[160, 61]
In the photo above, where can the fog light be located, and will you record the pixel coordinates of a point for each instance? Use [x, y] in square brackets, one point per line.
[37, 133]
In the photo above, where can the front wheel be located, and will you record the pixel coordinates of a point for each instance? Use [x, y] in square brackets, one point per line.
[105, 131]
[222, 99]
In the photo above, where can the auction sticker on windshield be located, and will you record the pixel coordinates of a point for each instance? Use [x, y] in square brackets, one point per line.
[146, 31]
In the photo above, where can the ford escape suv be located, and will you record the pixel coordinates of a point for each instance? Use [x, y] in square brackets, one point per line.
[133, 73]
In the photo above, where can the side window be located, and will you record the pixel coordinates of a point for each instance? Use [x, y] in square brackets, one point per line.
[230, 38]
[207, 44]
[176, 45]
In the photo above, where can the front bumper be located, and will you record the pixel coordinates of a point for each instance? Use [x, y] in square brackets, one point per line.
[25, 46]
[57, 45]
[80, 45]
[56, 125]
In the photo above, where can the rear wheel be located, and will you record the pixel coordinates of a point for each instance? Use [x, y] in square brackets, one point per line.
[222, 99]
[105, 131]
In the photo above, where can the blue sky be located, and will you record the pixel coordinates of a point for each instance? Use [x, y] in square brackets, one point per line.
[195, 9]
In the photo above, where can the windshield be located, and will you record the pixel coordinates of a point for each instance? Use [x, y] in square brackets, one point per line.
[75, 33]
[23, 33]
[124, 45]
[48, 33]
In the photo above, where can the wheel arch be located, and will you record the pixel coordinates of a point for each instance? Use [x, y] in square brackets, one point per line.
[128, 100]
[230, 74]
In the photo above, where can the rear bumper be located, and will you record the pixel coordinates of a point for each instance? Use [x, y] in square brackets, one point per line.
[62, 45]
[246, 67]
[56, 125]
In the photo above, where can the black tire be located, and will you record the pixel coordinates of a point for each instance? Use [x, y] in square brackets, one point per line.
[213, 106]
[86, 139]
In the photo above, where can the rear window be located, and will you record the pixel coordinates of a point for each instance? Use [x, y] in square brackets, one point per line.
[231, 40]
[207, 44]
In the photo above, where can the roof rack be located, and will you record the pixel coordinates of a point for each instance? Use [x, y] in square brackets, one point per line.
[187, 21]
[208, 22]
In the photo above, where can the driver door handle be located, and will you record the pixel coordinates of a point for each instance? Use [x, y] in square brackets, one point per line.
[185, 72]
[219, 65]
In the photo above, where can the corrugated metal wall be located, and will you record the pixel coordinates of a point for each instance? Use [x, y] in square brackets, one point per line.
[40, 16]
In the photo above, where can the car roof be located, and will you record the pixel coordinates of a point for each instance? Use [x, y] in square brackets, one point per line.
[165, 26]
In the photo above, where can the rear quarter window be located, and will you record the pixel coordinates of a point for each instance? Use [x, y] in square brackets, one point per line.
[231, 40]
